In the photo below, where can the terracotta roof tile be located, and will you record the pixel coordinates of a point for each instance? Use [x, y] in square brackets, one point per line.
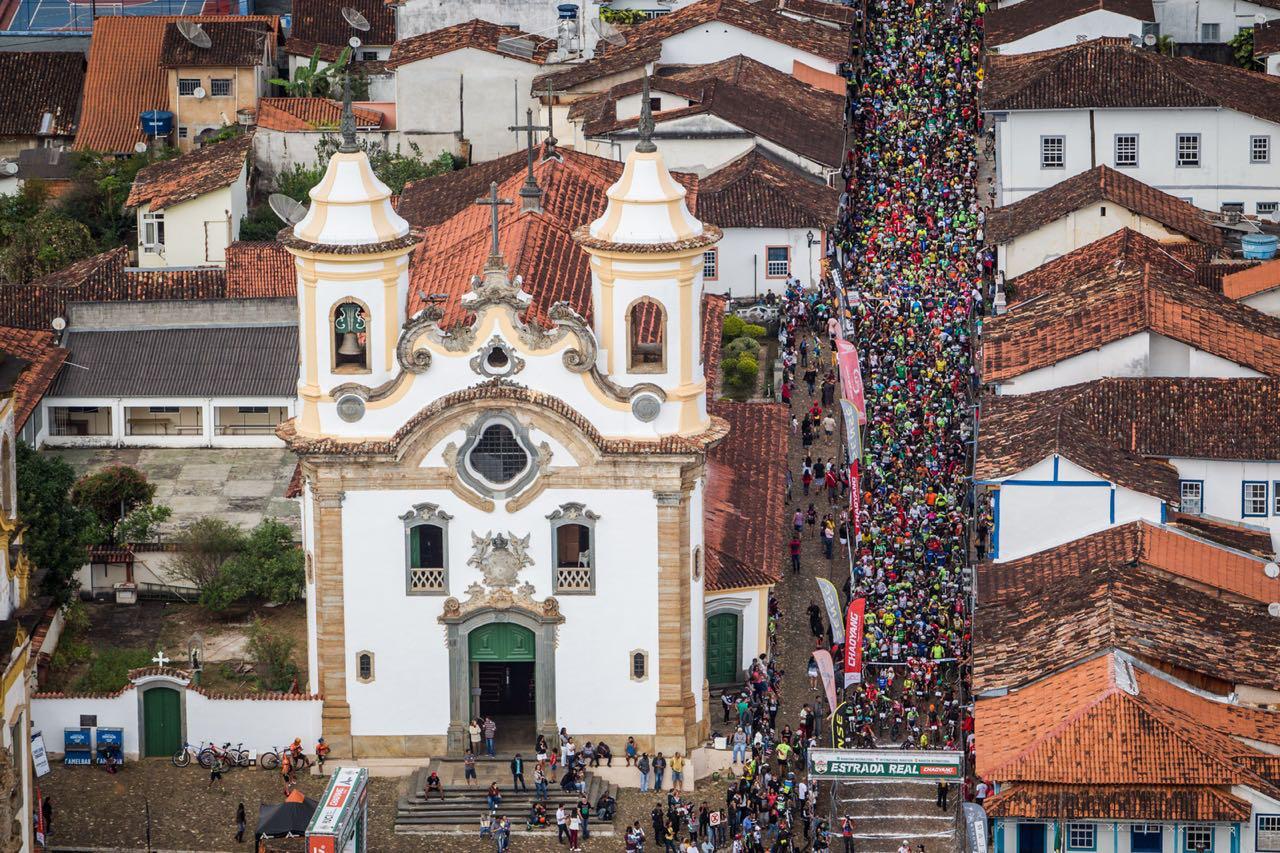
[103, 278]
[1119, 428]
[1099, 184]
[1252, 539]
[745, 501]
[45, 359]
[757, 191]
[1242, 283]
[187, 176]
[820, 10]
[260, 270]
[1010, 23]
[321, 21]
[614, 62]
[1111, 289]
[234, 45]
[476, 34]
[39, 83]
[755, 97]
[306, 114]
[1052, 801]
[125, 76]
[713, 308]
[1213, 274]
[808, 36]
[1153, 592]
[1111, 73]
[1266, 38]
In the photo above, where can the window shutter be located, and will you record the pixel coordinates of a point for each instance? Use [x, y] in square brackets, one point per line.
[415, 547]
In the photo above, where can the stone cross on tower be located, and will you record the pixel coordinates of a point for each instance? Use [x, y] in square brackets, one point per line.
[551, 134]
[348, 124]
[645, 125]
[530, 193]
[495, 254]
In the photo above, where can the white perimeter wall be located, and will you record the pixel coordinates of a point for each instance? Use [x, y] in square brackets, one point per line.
[1224, 175]
[1068, 233]
[1181, 19]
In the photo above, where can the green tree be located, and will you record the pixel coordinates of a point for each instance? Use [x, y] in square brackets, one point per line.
[56, 531]
[1242, 49]
[298, 181]
[203, 548]
[40, 244]
[99, 190]
[110, 495]
[393, 168]
[623, 16]
[260, 223]
[272, 655]
[313, 80]
[139, 525]
[268, 566]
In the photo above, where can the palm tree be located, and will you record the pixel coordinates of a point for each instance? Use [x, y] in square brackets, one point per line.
[310, 80]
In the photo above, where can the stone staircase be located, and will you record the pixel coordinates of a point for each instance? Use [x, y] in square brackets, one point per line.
[887, 812]
[461, 808]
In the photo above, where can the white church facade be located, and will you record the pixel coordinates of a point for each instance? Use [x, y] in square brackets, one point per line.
[503, 518]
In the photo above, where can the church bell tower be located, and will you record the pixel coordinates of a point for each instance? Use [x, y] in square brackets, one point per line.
[646, 283]
[351, 251]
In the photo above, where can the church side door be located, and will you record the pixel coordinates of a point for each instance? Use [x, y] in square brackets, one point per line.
[722, 648]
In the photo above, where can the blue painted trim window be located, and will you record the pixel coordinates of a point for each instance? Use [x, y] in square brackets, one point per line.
[1195, 835]
[1266, 836]
[1275, 497]
[1191, 496]
[1253, 498]
[1082, 836]
[1146, 838]
[1112, 508]
[995, 524]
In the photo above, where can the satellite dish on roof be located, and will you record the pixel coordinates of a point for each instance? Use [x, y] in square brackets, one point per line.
[1273, 609]
[1271, 570]
[290, 210]
[58, 323]
[140, 147]
[194, 33]
[1149, 40]
[517, 46]
[355, 19]
[9, 168]
[1259, 18]
[355, 42]
[608, 32]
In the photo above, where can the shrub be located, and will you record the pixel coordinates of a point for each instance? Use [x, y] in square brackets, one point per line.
[741, 346]
[109, 669]
[56, 531]
[754, 331]
[733, 326]
[111, 494]
[746, 369]
[272, 655]
[203, 548]
[229, 566]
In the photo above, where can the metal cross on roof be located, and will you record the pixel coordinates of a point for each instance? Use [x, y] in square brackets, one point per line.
[530, 193]
[492, 200]
[645, 125]
[348, 125]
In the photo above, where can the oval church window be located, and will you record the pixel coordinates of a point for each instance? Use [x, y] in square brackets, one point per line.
[498, 456]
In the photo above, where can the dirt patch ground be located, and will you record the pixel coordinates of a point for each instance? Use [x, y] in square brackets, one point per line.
[93, 809]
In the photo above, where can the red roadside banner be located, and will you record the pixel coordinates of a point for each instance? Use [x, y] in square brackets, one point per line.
[851, 377]
[854, 623]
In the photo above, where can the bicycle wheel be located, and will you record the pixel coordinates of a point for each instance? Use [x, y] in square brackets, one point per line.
[243, 758]
[269, 760]
[206, 758]
[182, 757]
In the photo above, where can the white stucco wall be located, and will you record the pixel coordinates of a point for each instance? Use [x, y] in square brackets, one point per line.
[1114, 837]
[276, 151]
[741, 259]
[1225, 174]
[1268, 302]
[1143, 354]
[197, 232]
[495, 93]
[1056, 501]
[1068, 233]
[1090, 25]
[116, 406]
[1223, 486]
[715, 41]
[598, 634]
[1181, 19]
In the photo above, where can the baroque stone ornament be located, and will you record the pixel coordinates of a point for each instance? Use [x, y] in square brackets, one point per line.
[500, 558]
[486, 363]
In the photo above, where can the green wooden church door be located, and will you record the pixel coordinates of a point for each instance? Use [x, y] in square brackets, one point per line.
[722, 648]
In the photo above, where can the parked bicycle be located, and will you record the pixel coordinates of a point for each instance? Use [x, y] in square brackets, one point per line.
[270, 759]
[183, 757]
[230, 756]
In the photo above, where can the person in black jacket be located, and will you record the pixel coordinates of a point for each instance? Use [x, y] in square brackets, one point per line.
[517, 774]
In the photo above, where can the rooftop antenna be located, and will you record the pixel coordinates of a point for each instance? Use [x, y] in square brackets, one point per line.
[194, 33]
[608, 32]
[355, 19]
[290, 210]
[645, 125]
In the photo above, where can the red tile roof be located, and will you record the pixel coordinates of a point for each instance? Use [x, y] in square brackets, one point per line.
[168, 182]
[125, 76]
[1243, 283]
[755, 97]
[234, 45]
[614, 62]
[39, 83]
[45, 360]
[819, 10]
[1111, 73]
[1266, 38]
[1105, 733]
[306, 114]
[260, 270]
[745, 502]
[321, 22]
[1100, 184]
[476, 34]
[1111, 289]
[537, 246]
[807, 36]
[759, 191]
[1156, 593]
[1250, 538]
[1120, 429]
[1010, 23]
